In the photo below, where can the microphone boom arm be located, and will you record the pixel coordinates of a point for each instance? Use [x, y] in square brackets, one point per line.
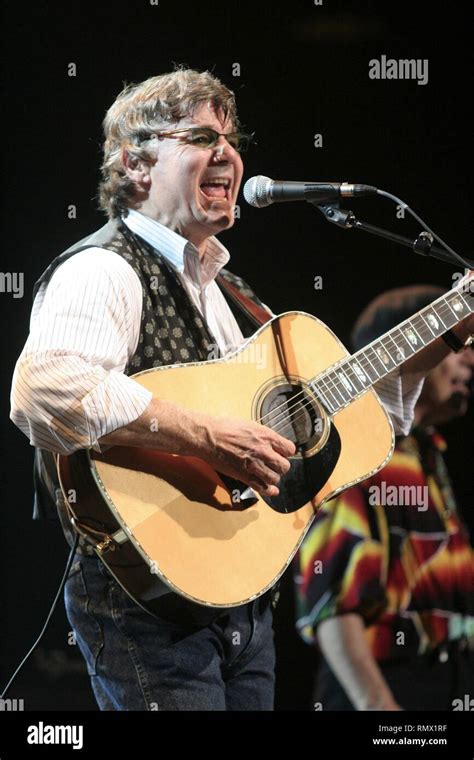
[422, 245]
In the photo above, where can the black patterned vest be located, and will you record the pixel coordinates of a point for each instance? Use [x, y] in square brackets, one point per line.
[172, 331]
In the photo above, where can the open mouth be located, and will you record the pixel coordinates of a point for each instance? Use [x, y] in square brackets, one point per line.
[216, 188]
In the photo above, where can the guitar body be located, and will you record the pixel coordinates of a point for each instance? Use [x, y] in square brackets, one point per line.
[175, 519]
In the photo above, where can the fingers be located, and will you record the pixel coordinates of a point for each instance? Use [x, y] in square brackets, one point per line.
[268, 463]
[282, 445]
[264, 471]
[267, 457]
[285, 447]
[264, 490]
[251, 453]
[280, 465]
[264, 474]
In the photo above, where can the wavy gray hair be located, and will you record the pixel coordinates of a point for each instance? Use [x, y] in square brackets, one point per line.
[144, 108]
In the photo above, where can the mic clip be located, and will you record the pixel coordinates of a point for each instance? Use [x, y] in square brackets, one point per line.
[423, 244]
[334, 214]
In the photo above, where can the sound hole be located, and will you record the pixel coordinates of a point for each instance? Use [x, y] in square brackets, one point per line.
[292, 411]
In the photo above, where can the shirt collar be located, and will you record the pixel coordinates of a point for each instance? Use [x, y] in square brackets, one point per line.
[178, 251]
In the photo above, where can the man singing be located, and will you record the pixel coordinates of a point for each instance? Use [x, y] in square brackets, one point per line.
[146, 290]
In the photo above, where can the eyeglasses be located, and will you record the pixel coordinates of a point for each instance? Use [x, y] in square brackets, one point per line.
[205, 137]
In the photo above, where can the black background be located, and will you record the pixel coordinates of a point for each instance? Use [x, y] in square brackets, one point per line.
[304, 70]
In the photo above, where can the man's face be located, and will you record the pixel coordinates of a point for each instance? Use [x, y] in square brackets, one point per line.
[446, 389]
[179, 193]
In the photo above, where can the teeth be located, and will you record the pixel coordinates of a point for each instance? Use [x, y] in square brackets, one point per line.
[224, 182]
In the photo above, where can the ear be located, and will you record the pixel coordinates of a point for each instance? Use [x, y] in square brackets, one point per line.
[136, 169]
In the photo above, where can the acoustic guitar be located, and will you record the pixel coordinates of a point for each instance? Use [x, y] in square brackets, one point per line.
[156, 518]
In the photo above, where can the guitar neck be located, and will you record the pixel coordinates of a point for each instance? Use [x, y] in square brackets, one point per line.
[337, 386]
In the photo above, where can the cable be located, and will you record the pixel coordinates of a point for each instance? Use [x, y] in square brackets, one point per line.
[420, 221]
[50, 613]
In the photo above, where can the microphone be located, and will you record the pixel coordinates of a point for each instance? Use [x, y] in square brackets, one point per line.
[263, 191]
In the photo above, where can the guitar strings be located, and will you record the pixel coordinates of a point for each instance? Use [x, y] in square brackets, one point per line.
[332, 385]
[328, 385]
[286, 416]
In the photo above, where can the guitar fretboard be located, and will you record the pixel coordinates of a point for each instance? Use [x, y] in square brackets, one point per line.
[345, 381]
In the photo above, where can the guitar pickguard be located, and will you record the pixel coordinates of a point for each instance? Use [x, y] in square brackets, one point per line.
[307, 476]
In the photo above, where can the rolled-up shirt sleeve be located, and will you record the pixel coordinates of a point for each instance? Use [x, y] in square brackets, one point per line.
[399, 394]
[69, 388]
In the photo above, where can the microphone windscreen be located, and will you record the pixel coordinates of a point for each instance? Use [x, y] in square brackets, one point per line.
[257, 191]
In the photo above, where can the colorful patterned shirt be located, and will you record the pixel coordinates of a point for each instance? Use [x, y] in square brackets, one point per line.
[406, 567]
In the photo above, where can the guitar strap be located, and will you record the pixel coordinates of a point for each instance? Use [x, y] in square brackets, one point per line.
[256, 313]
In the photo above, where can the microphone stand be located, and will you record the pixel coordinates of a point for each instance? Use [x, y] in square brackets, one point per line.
[423, 244]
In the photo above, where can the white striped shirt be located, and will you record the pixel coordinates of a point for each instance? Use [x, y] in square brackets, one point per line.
[69, 387]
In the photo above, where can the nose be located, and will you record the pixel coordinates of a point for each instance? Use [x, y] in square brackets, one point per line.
[219, 153]
[223, 150]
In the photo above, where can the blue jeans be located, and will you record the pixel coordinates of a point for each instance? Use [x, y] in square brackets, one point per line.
[140, 662]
